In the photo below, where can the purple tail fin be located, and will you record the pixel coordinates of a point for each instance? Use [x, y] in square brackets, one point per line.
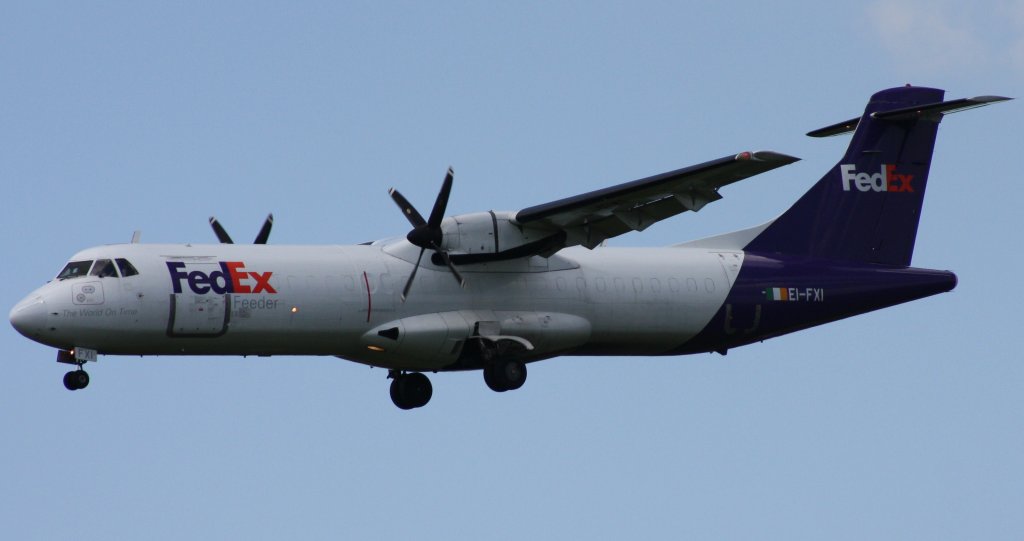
[867, 207]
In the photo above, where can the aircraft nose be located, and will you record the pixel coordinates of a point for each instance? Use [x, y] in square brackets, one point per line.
[29, 316]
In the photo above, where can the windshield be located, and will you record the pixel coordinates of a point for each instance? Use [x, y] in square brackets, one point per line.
[126, 268]
[104, 268]
[74, 270]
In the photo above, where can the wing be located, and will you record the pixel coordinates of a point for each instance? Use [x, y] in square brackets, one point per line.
[588, 219]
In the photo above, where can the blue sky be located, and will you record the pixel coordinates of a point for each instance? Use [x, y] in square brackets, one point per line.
[117, 117]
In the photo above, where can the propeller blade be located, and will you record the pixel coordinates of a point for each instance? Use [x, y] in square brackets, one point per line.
[407, 209]
[218, 230]
[408, 283]
[451, 266]
[264, 233]
[428, 234]
[437, 214]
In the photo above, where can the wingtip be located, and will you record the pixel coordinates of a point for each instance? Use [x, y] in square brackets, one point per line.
[990, 99]
[772, 156]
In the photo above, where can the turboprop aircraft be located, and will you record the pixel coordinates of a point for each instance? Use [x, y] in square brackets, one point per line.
[501, 289]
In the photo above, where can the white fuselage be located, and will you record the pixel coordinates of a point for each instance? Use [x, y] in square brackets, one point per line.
[325, 300]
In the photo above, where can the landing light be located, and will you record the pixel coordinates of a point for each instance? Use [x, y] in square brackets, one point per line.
[295, 309]
[374, 348]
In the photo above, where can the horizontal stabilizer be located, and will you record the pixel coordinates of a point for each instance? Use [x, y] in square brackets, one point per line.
[942, 107]
[838, 128]
[910, 113]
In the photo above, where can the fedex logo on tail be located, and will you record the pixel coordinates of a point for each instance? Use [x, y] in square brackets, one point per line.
[230, 277]
[885, 180]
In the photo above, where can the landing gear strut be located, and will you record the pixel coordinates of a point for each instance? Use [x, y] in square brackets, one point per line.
[505, 375]
[412, 390]
[76, 379]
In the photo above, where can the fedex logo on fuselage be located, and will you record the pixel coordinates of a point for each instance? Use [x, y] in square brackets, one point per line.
[230, 278]
[886, 180]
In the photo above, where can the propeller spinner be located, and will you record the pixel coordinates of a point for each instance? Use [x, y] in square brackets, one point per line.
[427, 233]
[224, 238]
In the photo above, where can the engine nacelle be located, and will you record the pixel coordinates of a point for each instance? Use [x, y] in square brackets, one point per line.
[491, 236]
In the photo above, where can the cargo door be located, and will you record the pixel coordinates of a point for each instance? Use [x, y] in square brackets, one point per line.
[198, 315]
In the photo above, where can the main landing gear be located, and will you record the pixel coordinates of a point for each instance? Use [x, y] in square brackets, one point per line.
[412, 390]
[76, 379]
[505, 375]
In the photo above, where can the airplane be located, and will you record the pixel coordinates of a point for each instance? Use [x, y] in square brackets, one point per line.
[501, 289]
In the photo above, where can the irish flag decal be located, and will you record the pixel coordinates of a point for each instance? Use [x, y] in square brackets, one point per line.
[807, 294]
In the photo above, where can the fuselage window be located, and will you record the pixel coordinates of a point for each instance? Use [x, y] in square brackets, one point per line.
[104, 268]
[126, 268]
[74, 270]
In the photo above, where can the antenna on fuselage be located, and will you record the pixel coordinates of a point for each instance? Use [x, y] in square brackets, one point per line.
[136, 236]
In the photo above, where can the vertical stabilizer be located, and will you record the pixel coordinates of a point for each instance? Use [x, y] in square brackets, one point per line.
[867, 207]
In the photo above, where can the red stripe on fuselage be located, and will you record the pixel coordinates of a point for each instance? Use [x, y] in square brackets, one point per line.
[369, 300]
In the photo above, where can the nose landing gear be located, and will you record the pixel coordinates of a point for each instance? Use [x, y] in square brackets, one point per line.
[76, 379]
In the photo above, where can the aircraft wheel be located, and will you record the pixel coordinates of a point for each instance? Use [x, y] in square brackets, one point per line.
[397, 394]
[76, 379]
[505, 375]
[410, 391]
[418, 388]
[492, 380]
[514, 374]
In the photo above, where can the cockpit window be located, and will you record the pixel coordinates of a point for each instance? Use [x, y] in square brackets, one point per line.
[126, 268]
[75, 269]
[104, 268]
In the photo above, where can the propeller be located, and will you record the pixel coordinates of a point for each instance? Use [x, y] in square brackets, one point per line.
[264, 234]
[224, 238]
[427, 233]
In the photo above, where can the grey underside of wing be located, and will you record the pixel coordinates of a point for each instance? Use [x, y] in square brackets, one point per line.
[588, 219]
